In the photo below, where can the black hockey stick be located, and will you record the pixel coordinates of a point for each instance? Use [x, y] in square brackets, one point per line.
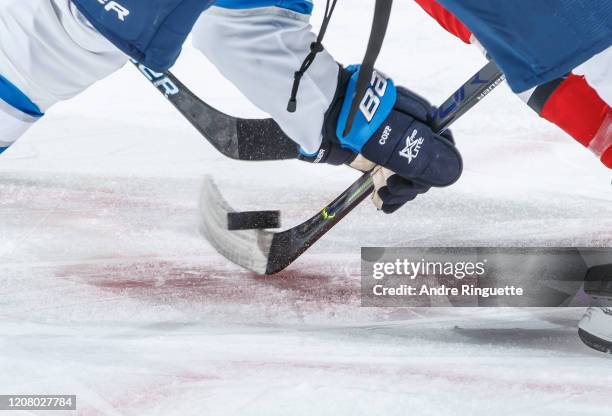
[236, 138]
[267, 252]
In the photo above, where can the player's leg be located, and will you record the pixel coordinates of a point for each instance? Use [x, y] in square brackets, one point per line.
[576, 107]
[579, 104]
[48, 53]
[598, 74]
[17, 114]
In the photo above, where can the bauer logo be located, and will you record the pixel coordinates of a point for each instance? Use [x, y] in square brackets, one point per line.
[413, 146]
[113, 6]
[320, 156]
[160, 80]
[372, 98]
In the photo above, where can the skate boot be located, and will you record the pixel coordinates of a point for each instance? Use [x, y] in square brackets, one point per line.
[595, 329]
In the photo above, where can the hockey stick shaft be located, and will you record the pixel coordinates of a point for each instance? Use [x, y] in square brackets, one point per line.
[234, 137]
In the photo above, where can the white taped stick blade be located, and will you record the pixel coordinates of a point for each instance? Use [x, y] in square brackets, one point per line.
[246, 248]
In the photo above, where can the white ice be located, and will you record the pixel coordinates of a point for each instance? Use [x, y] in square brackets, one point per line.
[108, 291]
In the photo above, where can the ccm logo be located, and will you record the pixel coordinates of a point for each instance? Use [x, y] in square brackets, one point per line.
[122, 12]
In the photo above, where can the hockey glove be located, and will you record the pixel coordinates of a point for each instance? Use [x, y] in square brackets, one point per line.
[392, 136]
[150, 31]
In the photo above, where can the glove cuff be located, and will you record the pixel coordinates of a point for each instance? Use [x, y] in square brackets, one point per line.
[374, 109]
[329, 153]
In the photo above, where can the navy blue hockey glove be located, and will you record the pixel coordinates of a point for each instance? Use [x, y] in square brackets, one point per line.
[391, 134]
[150, 31]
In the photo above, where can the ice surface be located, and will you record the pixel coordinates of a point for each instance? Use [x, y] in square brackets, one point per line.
[108, 291]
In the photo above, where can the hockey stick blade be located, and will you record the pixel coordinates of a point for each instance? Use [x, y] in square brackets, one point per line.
[247, 248]
[267, 252]
[236, 138]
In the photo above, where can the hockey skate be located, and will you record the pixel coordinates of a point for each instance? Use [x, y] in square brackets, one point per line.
[595, 329]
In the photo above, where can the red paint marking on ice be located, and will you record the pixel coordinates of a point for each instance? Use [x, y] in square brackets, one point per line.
[215, 284]
[157, 389]
[448, 373]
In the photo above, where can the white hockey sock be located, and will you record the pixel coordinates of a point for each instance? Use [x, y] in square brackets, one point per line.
[49, 51]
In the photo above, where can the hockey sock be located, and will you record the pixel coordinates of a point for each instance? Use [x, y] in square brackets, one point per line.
[17, 113]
